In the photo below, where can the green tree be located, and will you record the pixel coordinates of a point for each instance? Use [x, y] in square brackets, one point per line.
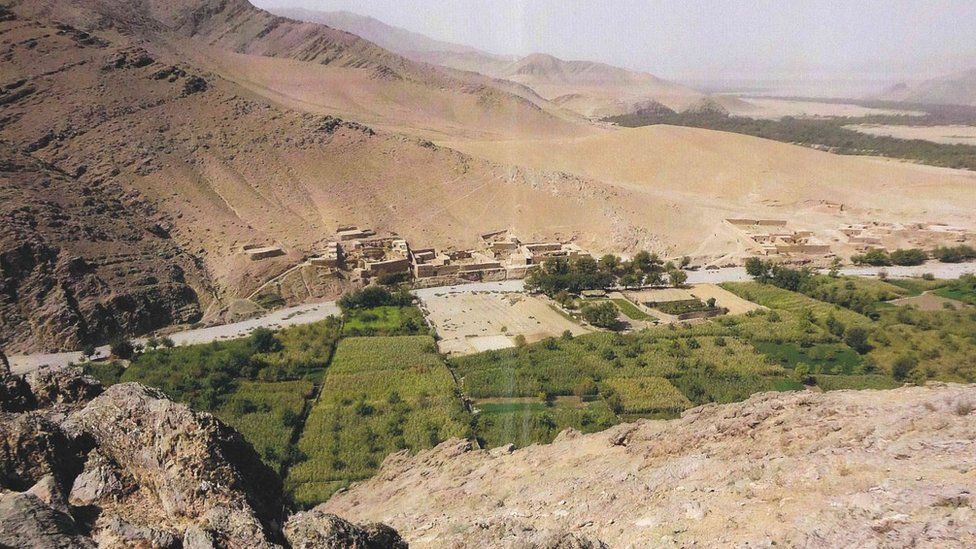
[602, 315]
[122, 348]
[755, 267]
[88, 351]
[677, 278]
[263, 340]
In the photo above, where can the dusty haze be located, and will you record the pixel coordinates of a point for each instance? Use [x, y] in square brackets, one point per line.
[859, 42]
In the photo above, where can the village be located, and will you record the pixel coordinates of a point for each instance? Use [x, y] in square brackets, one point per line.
[367, 256]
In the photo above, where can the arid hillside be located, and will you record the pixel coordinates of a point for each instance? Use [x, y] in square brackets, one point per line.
[954, 89]
[686, 181]
[841, 469]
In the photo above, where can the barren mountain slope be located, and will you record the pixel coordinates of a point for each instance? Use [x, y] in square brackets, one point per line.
[954, 89]
[386, 36]
[354, 77]
[841, 469]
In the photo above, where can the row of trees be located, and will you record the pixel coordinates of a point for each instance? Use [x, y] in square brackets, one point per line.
[574, 275]
[881, 258]
[770, 272]
[914, 256]
[375, 296]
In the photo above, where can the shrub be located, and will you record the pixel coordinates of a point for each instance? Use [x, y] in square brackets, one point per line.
[875, 257]
[586, 388]
[903, 366]
[956, 254]
[913, 256]
[857, 338]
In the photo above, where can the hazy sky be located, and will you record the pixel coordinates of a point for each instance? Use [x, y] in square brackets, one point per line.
[696, 39]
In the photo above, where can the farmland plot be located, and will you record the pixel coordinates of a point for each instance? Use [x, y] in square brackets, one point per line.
[474, 322]
[380, 395]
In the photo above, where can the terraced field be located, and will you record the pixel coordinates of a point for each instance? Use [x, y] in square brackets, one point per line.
[778, 298]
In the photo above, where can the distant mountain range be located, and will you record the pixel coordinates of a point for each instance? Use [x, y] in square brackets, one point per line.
[589, 88]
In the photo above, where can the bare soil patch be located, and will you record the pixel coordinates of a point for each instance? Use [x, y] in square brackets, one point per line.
[928, 302]
[474, 322]
[948, 135]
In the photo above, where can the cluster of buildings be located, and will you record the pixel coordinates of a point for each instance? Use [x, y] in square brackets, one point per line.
[502, 256]
[774, 237]
[878, 234]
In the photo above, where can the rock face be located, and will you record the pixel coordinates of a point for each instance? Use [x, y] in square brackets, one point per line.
[127, 467]
[839, 469]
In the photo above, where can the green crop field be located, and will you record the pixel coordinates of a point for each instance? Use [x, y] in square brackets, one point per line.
[386, 320]
[963, 290]
[869, 381]
[631, 311]
[267, 413]
[645, 395]
[778, 298]
[326, 408]
[527, 421]
[259, 384]
[915, 286]
[827, 358]
[380, 395]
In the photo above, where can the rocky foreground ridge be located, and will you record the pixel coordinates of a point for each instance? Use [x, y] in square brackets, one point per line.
[82, 466]
[841, 469]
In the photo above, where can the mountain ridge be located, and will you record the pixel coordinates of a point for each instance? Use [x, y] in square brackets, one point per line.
[599, 89]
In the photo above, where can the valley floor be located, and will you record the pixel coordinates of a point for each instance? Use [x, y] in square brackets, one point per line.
[314, 312]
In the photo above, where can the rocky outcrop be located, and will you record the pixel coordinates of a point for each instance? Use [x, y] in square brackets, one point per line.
[838, 469]
[32, 447]
[202, 473]
[15, 394]
[26, 521]
[317, 529]
[61, 385]
[127, 467]
[82, 265]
